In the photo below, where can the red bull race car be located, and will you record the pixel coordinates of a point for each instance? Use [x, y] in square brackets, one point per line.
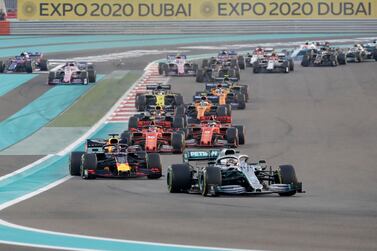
[112, 158]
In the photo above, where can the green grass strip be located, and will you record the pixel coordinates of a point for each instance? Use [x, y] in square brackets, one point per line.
[96, 102]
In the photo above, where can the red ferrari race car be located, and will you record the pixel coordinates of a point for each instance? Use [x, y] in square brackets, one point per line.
[113, 159]
[215, 134]
[155, 139]
[157, 117]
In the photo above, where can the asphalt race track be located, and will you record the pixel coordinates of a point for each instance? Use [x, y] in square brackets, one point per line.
[321, 120]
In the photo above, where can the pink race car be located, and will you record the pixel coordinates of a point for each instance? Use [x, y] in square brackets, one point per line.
[72, 73]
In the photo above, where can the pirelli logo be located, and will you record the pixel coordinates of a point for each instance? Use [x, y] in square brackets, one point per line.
[134, 10]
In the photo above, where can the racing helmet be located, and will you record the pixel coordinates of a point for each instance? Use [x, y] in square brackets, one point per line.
[231, 162]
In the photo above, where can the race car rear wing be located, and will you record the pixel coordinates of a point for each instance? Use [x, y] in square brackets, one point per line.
[210, 86]
[213, 99]
[94, 145]
[165, 87]
[200, 155]
[221, 80]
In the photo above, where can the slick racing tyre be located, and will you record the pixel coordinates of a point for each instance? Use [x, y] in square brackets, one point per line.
[178, 142]
[179, 178]
[287, 176]
[89, 162]
[133, 123]
[75, 163]
[232, 136]
[209, 181]
[241, 134]
[154, 161]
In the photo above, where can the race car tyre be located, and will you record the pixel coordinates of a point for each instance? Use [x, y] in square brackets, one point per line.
[333, 61]
[233, 63]
[241, 62]
[205, 63]
[178, 122]
[228, 109]
[287, 176]
[285, 67]
[291, 64]
[358, 57]
[374, 55]
[241, 134]
[238, 75]
[180, 110]
[140, 103]
[195, 68]
[92, 76]
[211, 177]
[256, 68]
[199, 76]
[125, 138]
[133, 122]
[51, 77]
[222, 111]
[161, 68]
[178, 142]
[232, 136]
[178, 99]
[2, 66]
[28, 67]
[342, 59]
[241, 100]
[305, 60]
[154, 161]
[89, 162]
[84, 77]
[166, 70]
[75, 163]
[179, 178]
[43, 65]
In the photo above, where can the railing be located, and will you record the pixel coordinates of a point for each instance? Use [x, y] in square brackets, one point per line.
[203, 27]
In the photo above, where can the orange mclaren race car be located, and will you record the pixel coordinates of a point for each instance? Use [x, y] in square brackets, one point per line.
[113, 159]
[215, 134]
[203, 110]
[222, 95]
[156, 139]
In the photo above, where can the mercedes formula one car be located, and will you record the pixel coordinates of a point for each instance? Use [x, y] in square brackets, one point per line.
[177, 65]
[26, 62]
[159, 95]
[214, 134]
[72, 73]
[360, 53]
[112, 158]
[155, 139]
[227, 171]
